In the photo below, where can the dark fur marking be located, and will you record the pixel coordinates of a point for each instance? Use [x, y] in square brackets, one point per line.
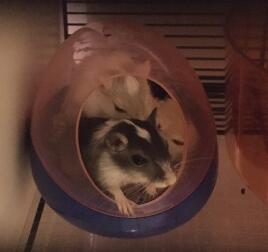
[177, 142]
[120, 110]
[158, 92]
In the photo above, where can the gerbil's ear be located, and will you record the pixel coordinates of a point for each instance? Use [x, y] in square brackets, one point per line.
[152, 117]
[143, 70]
[116, 142]
[97, 26]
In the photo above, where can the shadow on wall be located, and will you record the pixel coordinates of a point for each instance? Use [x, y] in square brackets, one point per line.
[29, 35]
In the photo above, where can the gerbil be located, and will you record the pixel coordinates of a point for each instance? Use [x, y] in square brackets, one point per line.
[171, 126]
[125, 151]
[125, 97]
[131, 97]
[169, 120]
[100, 68]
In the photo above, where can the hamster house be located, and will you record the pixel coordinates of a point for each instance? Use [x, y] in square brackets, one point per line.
[56, 162]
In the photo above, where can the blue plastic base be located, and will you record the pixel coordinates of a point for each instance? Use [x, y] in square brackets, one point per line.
[106, 225]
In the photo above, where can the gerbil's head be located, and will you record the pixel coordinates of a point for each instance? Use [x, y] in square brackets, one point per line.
[136, 147]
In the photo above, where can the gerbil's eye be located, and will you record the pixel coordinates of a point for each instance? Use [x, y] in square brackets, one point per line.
[138, 160]
[177, 142]
[120, 110]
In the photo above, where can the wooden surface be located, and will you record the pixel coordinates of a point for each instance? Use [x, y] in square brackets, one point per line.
[230, 221]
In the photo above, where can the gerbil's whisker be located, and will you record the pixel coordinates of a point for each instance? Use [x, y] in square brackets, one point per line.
[195, 159]
[136, 189]
[139, 189]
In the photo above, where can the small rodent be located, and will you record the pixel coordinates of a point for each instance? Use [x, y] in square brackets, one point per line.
[125, 151]
[130, 97]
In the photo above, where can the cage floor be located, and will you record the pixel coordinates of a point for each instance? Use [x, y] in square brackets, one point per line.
[232, 220]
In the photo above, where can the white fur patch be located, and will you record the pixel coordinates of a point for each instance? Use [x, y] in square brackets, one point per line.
[132, 85]
[170, 177]
[111, 176]
[140, 131]
[101, 133]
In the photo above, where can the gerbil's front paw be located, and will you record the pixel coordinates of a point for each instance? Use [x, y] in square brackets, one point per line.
[151, 190]
[125, 206]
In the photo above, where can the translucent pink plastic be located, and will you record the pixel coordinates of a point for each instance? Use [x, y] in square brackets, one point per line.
[55, 138]
[247, 93]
